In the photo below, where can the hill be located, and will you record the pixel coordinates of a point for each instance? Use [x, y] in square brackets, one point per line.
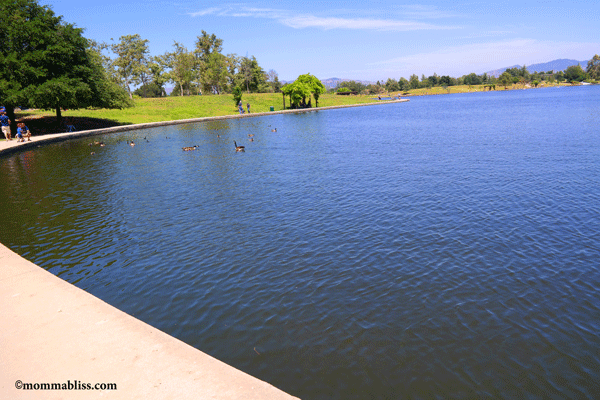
[555, 65]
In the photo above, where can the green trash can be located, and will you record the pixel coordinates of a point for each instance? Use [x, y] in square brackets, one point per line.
[272, 108]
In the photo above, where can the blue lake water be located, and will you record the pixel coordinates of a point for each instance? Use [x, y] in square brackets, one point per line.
[448, 247]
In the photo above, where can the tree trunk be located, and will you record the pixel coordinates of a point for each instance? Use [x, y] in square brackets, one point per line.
[58, 117]
[283, 101]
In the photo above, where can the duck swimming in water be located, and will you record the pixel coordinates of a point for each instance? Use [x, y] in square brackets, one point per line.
[239, 148]
[189, 148]
[274, 130]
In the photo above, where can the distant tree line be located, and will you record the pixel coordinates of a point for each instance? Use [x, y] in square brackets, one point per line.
[511, 76]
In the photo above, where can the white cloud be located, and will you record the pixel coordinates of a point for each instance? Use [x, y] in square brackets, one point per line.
[302, 21]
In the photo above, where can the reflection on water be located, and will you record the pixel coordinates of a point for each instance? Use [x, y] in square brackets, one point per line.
[442, 248]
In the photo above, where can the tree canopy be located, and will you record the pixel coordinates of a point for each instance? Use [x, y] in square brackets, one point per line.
[303, 87]
[47, 63]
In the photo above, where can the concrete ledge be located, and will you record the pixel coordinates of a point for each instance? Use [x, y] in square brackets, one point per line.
[7, 147]
[54, 332]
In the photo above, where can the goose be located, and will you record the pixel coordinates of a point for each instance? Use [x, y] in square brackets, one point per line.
[239, 148]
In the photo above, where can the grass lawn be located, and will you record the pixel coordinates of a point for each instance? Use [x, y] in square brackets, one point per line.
[168, 109]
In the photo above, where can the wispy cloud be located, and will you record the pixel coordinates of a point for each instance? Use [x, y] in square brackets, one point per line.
[480, 57]
[302, 21]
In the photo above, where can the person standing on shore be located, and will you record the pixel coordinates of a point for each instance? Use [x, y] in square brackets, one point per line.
[241, 107]
[5, 123]
[248, 106]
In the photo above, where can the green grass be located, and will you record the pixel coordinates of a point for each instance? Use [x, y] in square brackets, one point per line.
[176, 108]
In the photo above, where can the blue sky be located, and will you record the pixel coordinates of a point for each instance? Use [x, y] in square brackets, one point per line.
[365, 40]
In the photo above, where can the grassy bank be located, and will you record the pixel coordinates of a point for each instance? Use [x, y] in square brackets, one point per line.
[168, 109]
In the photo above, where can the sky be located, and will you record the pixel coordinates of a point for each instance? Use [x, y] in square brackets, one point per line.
[361, 40]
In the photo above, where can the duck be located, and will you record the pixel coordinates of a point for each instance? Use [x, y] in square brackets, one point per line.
[274, 130]
[132, 144]
[251, 139]
[189, 148]
[239, 148]
[251, 135]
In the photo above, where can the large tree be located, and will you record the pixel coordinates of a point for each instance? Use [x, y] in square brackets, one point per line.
[47, 63]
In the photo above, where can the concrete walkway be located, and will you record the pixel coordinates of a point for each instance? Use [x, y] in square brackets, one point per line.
[53, 332]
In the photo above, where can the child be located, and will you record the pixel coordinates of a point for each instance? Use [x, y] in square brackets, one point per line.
[22, 132]
[20, 126]
[26, 132]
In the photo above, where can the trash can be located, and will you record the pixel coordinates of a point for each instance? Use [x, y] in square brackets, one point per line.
[272, 108]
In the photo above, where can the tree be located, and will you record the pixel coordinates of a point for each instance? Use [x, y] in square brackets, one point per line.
[47, 63]
[593, 67]
[181, 63]
[575, 73]
[403, 84]
[315, 86]
[472, 79]
[505, 79]
[297, 92]
[215, 74]
[132, 59]
[158, 66]
[211, 67]
[352, 85]
[391, 85]
[273, 80]
[414, 81]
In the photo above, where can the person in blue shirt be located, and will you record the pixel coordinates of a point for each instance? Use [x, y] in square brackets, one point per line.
[5, 123]
[22, 132]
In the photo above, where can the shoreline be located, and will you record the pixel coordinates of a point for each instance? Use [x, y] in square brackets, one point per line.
[8, 147]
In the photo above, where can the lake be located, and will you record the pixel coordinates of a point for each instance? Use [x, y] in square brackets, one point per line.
[448, 247]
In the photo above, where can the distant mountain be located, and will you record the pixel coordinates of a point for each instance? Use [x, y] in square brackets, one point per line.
[555, 65]
[333, 82]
